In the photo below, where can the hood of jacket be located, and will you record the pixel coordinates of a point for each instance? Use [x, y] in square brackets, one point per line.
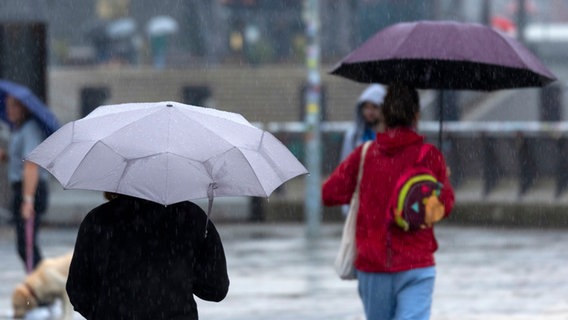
[375, 94]
[362, 131]
[393, 140]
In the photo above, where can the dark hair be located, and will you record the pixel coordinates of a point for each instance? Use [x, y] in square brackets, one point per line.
[400, 106]
[110, 195]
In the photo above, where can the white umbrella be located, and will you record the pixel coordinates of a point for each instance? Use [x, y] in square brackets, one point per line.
[161, 25]
[167, 152]
[121, 28]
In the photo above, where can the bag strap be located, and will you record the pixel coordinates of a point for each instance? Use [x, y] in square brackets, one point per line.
[361, 164]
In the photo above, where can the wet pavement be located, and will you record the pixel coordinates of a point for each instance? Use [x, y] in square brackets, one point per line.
[276, 273]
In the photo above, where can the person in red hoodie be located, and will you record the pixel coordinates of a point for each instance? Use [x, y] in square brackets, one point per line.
[395, 268]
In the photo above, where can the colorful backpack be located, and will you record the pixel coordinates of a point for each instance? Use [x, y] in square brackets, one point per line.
[415, 193]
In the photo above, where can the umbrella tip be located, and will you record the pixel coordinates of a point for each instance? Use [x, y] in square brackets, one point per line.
[169, 105]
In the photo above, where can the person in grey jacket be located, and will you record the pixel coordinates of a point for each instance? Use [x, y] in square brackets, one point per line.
[137, 259]
[28, 181]
[367, 119]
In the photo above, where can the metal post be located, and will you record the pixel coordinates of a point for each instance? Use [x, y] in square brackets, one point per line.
[528, 170]
[561, 165]
[521, 20]
[441, 120]
[551, 103]
[312, 202]
[490, 164]
[486, 12]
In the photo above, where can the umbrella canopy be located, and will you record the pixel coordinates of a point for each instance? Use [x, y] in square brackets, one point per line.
[121, 28]
[39, 110]
[444, 55]
[162, 25]
[167, 152]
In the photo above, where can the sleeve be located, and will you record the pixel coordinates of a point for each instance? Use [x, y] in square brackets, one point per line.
[211, 279]
[440, 170]
[340, 185]
[32, 136]
[82, 284]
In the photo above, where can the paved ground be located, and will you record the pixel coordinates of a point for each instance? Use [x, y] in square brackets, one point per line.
[276, 273]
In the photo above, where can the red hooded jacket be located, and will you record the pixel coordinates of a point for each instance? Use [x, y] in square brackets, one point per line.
[381, 245]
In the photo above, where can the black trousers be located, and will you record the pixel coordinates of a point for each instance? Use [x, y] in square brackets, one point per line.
[40, 205]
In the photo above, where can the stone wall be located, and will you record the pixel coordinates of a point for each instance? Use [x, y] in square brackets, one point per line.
[260, 94]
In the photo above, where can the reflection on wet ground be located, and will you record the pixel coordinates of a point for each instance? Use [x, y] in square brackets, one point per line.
[276, 273]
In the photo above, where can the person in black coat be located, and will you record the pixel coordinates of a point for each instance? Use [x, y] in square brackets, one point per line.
[137, 259]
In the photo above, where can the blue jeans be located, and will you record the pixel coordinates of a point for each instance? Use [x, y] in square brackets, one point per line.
[397, 296]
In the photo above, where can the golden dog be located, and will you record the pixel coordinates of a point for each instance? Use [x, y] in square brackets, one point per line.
[44, 286]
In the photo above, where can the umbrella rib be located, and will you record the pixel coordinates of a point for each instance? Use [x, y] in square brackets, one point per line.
[125, 126]
[234, 147]
[83, 159]
[168, 159]
[267, 158]
[206, 127]
[252, 168]
[248, 163]
[90, 149]
[406, 39]
[273, 164]
[111, 133]
[118, 185]
[522, 58]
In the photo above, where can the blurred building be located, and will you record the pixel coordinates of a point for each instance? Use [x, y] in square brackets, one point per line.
[244, 31]
[247, 31]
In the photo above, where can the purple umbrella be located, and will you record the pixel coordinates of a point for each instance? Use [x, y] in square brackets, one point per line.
[444, 55]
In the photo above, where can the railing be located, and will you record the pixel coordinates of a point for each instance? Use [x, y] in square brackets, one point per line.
[489, 152]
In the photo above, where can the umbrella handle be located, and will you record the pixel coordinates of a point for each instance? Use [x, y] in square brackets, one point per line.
[210, 196]
[29, 243]
[441, 119]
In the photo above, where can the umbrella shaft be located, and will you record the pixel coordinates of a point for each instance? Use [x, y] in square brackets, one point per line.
[441, 119]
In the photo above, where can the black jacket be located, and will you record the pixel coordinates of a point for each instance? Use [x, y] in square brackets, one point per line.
[136, 259]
